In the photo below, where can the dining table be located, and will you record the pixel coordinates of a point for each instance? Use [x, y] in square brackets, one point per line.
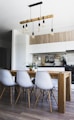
[64, 86]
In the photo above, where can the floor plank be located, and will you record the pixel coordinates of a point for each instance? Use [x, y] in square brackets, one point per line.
[20, 111]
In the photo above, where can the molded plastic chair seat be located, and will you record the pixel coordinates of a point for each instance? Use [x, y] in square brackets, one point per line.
[7, 80]
[44, 81]
[24, 81]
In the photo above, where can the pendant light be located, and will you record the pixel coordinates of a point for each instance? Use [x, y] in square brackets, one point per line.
[33, 35]
[32, 20]
[52, 31]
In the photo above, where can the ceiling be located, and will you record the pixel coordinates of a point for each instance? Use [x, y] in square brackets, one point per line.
[14, 11]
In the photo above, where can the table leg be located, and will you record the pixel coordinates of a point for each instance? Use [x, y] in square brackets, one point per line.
[61, 93]
[68, 88]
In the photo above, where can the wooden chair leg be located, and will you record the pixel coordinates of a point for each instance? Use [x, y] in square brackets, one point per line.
[32, 90]
[28, 98]
[23, 90]
[18, 95]
[54, 97]
[16, 89]
[2, 93]
[42, 93]
[49, 101]
[11, 95]
[37, 99]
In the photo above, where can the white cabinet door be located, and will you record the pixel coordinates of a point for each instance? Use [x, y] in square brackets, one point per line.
[51, 69]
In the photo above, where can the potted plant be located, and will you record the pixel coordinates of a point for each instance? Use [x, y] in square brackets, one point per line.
[30, 67]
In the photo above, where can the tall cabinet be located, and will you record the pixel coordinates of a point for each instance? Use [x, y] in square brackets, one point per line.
[20, 44]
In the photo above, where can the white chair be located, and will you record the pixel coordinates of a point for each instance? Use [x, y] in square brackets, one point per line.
[7, 80]
[24, 81]
[44, 81]
[55, 83]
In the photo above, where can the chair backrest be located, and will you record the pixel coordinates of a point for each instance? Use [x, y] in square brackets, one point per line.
[6, 77]
[43, 80]
[23, 78]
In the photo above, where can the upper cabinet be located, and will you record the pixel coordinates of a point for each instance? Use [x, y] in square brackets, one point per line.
[57, 37]
[59, 42]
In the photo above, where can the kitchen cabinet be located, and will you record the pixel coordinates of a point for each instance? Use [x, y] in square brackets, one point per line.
[20, 43]
[59, 42]
[47, 47]
[51, 68]
[57, 37]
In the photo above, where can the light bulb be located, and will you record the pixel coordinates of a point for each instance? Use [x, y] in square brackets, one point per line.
[38, 27]
[39, 24]
[23, 29]
[52, 33]
[26, 27]
[33, 35]
[43, 23]
[51, 29]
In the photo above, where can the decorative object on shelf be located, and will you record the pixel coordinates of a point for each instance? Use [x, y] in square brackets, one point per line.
[37, 19]
[33, 67]
[49, 59]
[63, 60]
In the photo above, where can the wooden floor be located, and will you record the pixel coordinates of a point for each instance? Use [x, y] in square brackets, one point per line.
[20, 111]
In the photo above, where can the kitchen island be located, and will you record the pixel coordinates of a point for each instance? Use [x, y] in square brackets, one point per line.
[49, 68]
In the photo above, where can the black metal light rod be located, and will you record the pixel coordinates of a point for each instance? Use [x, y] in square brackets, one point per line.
[35, 4]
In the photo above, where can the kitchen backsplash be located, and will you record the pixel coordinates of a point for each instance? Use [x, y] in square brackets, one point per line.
[48, 59]
[70, 58]
[53, 59]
